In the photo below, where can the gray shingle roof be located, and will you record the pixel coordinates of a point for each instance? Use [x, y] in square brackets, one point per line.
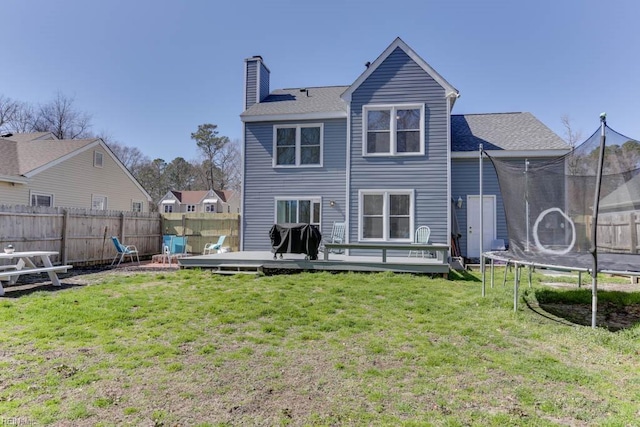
[502, 131]
[23, 156]
[294, 101]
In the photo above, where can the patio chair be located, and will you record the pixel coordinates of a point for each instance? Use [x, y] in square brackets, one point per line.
[178, 245]
[209, 248]
[421, 237]
[124, 250]
[337, 236]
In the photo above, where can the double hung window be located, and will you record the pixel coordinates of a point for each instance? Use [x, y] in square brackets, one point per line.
[386, 215]
[297, 145]
[38, 199]
[396, 130]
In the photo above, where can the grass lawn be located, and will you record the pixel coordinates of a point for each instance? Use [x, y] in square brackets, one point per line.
[191, 348]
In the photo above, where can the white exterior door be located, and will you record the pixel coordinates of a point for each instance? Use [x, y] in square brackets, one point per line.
[473, 224]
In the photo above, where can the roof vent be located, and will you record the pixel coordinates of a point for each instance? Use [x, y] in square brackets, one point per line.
[367, 64]
[305, 90]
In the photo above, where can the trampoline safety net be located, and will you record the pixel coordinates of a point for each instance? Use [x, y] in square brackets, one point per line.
[549, 205]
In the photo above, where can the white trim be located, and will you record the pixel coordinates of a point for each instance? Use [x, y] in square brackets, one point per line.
[167, 202]
[99, 196]
[243, 188]
[385, 213]
[312, 199]
[13, 179]
[38, 193]
[257, 81]
[210, 201]
[298, 128]
[348, 178]
[393, 136]
[141, 205]
[449, 185]
[246, 76]
[450, 91]
[322, 115]
[509, 153]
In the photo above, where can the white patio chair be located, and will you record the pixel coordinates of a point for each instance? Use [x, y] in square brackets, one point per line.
[421, 237]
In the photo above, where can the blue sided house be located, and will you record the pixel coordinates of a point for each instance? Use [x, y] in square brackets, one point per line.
[385, 155]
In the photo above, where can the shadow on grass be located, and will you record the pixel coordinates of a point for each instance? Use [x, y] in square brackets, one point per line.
[616, 310]
[463, 275]
[21, 290]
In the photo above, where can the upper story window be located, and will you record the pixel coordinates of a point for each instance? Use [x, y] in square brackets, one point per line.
[297, 145]
[97, 159]
[208, 207]
[393, 130]
[41, 199]
[191, 208]
[168, 208]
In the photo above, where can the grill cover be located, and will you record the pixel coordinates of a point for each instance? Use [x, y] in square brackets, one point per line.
[295, 239]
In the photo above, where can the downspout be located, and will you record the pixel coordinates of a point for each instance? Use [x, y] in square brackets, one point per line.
[347, 198]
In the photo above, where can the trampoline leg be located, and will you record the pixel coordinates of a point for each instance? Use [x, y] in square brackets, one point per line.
[492, 272]
[504, 280]
[482, 272]
[515, 289]
[579, 279]
[530, 271]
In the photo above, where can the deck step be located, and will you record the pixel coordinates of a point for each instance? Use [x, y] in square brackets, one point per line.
[238, 269]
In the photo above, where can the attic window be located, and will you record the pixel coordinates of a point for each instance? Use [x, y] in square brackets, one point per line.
[97, 159]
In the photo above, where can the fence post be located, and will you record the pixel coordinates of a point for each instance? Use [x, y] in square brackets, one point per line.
[633, 235]
[122, 236]
[65, 232]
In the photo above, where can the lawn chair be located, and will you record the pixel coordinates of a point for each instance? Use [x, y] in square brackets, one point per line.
[123, 250]
[422, 238]
[209, 248]
[337, 236]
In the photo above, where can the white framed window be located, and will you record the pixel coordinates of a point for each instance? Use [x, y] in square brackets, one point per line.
[298, 210]
[98, 202]
[386, 215]
[136, 206]
[393, 130]
[191, 208]
[168, 208]
[209, 207]
[41, 199]
[97, 159]
[298, 145]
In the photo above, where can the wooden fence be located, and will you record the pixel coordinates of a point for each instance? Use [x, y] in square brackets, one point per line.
[82, 237]
[203, 228]
[618, 231]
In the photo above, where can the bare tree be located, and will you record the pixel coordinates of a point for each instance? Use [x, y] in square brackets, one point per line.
[572, 138]
[131, 157]
[8, 111]
[61, 118]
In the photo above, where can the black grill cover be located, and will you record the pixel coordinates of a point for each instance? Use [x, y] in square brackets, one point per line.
[295, 239]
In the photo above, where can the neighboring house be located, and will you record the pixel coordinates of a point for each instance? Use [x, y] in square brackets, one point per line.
[37, 169]
[212, 201]
[384, 154]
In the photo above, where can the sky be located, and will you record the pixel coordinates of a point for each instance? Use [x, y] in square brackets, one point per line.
[150, 71]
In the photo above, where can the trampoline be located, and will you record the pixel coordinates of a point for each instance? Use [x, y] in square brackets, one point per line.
[579, 212]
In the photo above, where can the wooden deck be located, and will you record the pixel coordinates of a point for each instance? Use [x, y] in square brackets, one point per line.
[264, 261]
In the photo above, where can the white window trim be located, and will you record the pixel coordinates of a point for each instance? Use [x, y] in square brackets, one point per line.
[312, 199]
[385, 214]
[36, 193]
[96, 155]
[393, 133]
[133, 202]
[167, 208]
[191, 206]
[102, 196]
[297, 127]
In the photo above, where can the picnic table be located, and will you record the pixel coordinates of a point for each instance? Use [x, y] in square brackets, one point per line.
[25, 263]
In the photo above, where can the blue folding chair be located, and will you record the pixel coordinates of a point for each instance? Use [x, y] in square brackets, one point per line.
[123, 250]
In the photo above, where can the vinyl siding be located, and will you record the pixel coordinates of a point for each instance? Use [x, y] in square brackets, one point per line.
[251, 83]
[73, 182]
[465, 181]
[264, 82]
[400, 80]
[263, 182]
[11, 194]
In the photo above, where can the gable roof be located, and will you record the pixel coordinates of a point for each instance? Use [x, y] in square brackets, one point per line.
[398, 43]
[299, 101]
[502, 131]
[31, 136]
[194, 197]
